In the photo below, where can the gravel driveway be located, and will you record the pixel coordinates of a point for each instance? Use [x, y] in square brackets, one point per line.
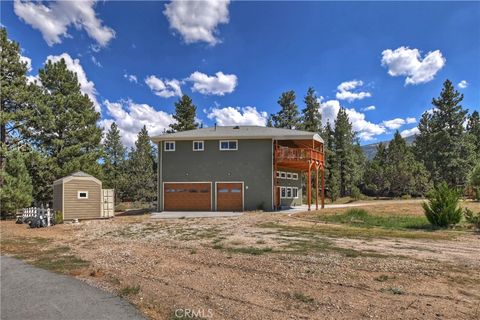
[28, 292]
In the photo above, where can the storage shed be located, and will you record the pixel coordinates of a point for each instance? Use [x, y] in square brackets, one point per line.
[80, 196]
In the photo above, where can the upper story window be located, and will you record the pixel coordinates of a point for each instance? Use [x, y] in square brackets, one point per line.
[169, 146]
[295, 176]
[198, 146]
[289, 175]
[228, 145]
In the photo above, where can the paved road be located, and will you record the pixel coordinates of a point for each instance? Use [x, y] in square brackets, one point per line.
[28, 292]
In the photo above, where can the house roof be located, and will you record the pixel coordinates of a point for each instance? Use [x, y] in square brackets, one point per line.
[239, 132]
[78, 174]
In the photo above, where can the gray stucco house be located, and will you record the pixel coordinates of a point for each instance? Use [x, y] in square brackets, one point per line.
[238, 168]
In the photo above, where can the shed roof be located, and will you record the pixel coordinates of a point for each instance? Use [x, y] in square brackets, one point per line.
[78, 174]
[239, 132]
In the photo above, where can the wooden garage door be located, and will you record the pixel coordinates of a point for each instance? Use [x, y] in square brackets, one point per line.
[187, 197]
[229, 196]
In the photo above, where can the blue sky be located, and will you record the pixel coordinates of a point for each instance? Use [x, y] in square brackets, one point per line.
[382, 61]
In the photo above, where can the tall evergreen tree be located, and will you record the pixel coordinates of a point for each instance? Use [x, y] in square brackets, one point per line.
[14, 95]
[375, 179]
[185, 113]
[346, 153]
[16, 191]
[68, 129]
[141, 169]
[288, 116]
[473, 129]
[311, 119]
[114, 164]
[442, 144]
[331, 166]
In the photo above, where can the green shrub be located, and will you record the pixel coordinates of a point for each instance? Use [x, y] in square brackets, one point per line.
[471, 217]
[442, 209]
[356, 194]
[58, 217]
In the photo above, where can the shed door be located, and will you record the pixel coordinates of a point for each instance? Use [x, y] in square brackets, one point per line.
[229, 196]
[108, 203]
[187, 196]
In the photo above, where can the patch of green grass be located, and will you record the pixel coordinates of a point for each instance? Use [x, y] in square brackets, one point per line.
[129, 290]
[361, 218]
[357, 232]
[300, 296]
[250, 250]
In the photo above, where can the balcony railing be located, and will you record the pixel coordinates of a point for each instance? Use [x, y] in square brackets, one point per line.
[298, 154]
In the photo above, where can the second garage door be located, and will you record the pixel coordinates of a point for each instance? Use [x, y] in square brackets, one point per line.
[229, 196]
[187, 197]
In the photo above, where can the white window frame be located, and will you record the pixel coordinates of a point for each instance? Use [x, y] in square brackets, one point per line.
[165, 146]
[281, 191]
[277, 174]
[289, 176]
[198, 141]
[78, 195]
[289, 190]
[293, 193]
[283, 175]
[228, 141]
[294, 176]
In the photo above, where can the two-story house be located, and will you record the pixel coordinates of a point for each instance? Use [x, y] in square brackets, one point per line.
[238, 168]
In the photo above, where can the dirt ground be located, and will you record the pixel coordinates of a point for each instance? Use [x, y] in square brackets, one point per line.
[268, 266]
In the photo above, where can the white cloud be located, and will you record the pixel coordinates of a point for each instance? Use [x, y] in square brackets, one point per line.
[197, 20]
[164, 88]
[28, 61]
[220, 84]
[86, 86]
[394, 123]
[230, 116]
[130, 117]
[96, 62]
[366, 129]
[408, 62]
[369, 108]
[463, 84]
[410, 132]
[410, 120]
[130, 77]
[346, 91]
[54, 19]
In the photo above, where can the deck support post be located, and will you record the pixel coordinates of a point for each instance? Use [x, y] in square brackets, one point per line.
[309, 185]
[323, 186]
[316, 186]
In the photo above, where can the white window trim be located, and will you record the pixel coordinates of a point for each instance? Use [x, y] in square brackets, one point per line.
[289, 174]
[291, 193]
[294, 188]
[277, 174]
[165, 146]
[198, 141]
[228, 149]
[78, 195]
[281, 189]
[283, 175]
[294, 176]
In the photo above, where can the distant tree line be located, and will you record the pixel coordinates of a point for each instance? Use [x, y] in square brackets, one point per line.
[49, 129]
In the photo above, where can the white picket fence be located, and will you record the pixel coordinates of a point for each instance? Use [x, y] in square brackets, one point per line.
[36, 212]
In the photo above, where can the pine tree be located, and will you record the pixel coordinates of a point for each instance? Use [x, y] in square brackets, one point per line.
[376, 180]
[141, 169]
[443, 146]
[312, 118]
[66, 126]
[288, 116]
[331, 165]
[347, 154]
[185, 113]
[473, 129]
[16, 191]
[114, 160]
[15, 95]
